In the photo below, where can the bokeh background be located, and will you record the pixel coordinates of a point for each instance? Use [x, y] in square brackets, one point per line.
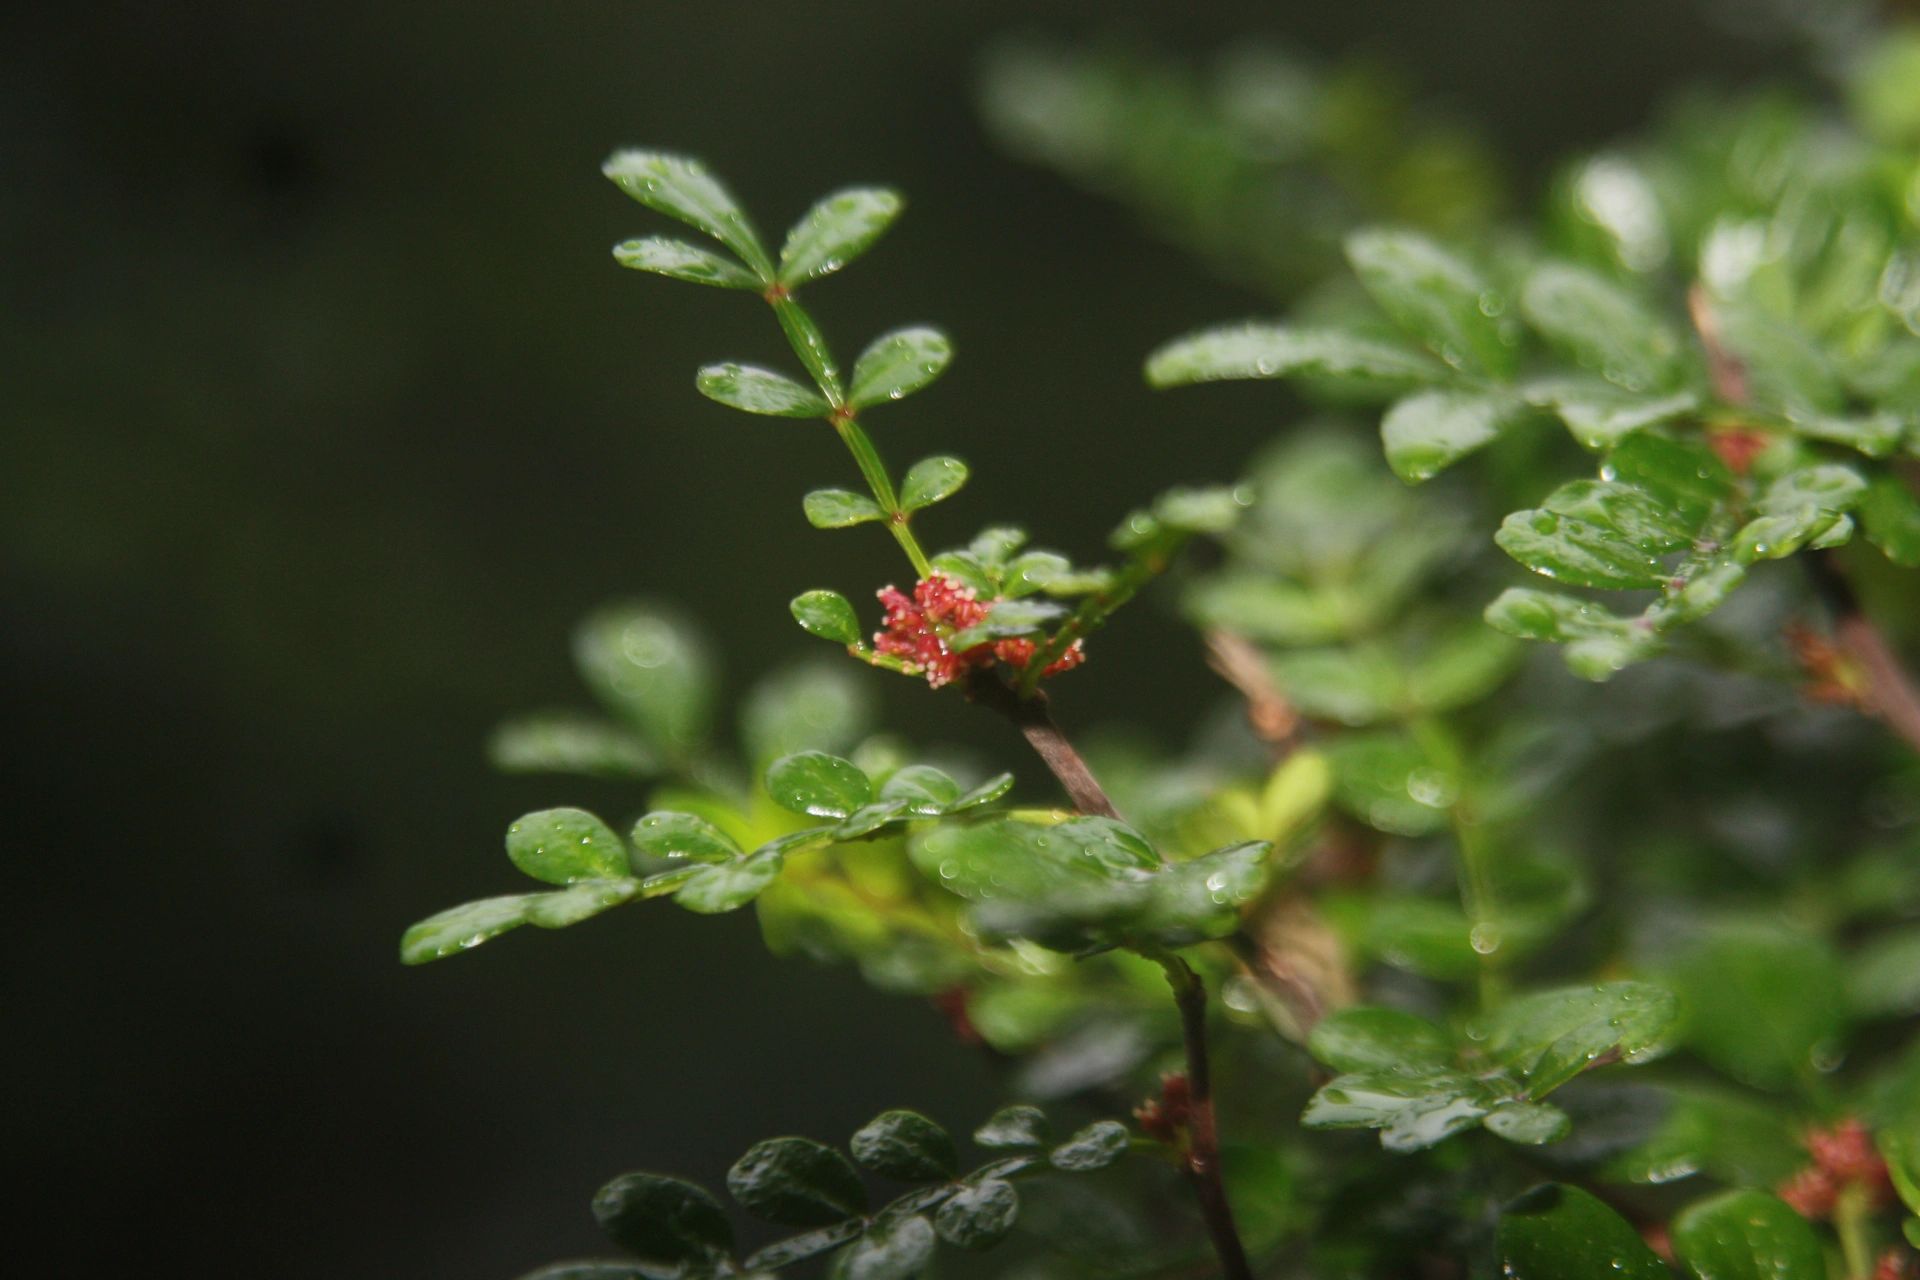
[327, 414]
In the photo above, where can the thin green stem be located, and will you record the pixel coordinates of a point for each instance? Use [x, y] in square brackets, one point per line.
[1853, 1223]
[810, 344]
[1477, 895]
[1096, 609]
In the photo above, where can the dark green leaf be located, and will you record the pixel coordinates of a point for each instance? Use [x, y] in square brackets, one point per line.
[931, 480]
[1529, 1124]
[1570, 549]
[892, 1249]
[1747, 1235]
[1365, 1038]
[754, 390]
[652, 668]
[898, 364]
[577, 902]
[1434, 296]
[1429, 431]
[660, 1219]
[1094, 1147]
[1602, 326]
[1201, 898]
[797, 1181]
[839, 508]
[588, 1270]
[1600, 415]
[1007, 619]
[561, 846]
[808, 1244]
[1883, 976]
[1762, 1001]
[1277, 351]
[813, 782]
[666, 834]
[668, 257]
[682, 188]
[836, 231]
[720, 887]
[925, 790]
[1549, 1038]
[827, 614]
[1684, 477]
[1018, 1127]
[1412, 1109]
[1558, 1232]
[462, 928]
[978, 1215]
[1890, 517]
[1388, 782]
[905, 1145]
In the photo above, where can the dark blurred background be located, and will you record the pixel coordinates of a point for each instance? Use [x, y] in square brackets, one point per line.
[327, 414]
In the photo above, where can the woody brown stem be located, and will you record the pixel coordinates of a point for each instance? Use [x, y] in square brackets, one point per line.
[1032, 717]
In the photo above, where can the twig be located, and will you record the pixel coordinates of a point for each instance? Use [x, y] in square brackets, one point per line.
[1235, 660]
[1035, 722]
[1203, 1146]
[1891, 693]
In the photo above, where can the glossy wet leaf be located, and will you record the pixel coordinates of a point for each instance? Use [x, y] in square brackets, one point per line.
[682, 188]
[1435, 296]
[1549, 1038]
[1763, 1001]
[892, 1249]
[905, 1145]
[577, 902]
[827, 614]
[836, 231]
[1018, 1127]
[839, 508]
[1569, 549]
[797, 1181]
[720, 887]
[1201, 898]
[931, 480]
[1602, 326]
[561, 846]
[1280, 351]
[1008, 619]
[924, 789]
[652, 668]
[462, 928]
[979, 1215]
[588, 1270]
[667, 834]
[986, 793]
[567, 742]
[1367, 1038]
[1095, 1147]
[1558, 1232]
[1683, 476]
[1747, 1235]
[665, 256]
[661, 1219]
[1412, 1109]
[815, 783]
[798, 1248]
[755, 390]
[1431, 430]
[1387, 781]
[898, 364]
[1599, 414]
[1527, 1124]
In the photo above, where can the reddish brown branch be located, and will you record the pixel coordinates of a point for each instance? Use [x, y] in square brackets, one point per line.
[1235, 659]
[1203, 1144]
[1031, 716]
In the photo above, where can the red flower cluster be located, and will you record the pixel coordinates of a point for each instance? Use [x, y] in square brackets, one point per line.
[1165, 1119]
[939, 607]
[1843, 1156]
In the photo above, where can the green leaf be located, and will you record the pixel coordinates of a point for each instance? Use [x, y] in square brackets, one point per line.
[1434, 296]
[577, 902]
[1569, 549]
[755, 390]
[1019, 1127]
[840, 508]
[462, 928]
[931, 480]
[1387, 781]
[561, 846]
[1747, 1235]
[1279, 351]
[1883, 976]
[663, 1220]
[898, 364]
[652, 668]
[667, 834]
[1429, 431]
[565, 742]
[1201, 898]
[720, 887]
[668, 257]
[1763, 1002]
[1075, 884]
[1558, 1232]
[1412, 1109]
[815, 705]
[1599, 641]
[588, 1270]
[1602, 326]
[892, 1249]
[1549, 1038]
[1601, 415]
[813, 782]
[1683, 476]
[682, 188]
[986, 793]
[797, 1182]
[826, 614]
[923, 789]
[1890, 517]
[1529, 1124]
[836, 231]
[808, 1244]
[905, 1145]
[1005, 620]
[1094, 1147]
[979, 1215]
[1367, 1038]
